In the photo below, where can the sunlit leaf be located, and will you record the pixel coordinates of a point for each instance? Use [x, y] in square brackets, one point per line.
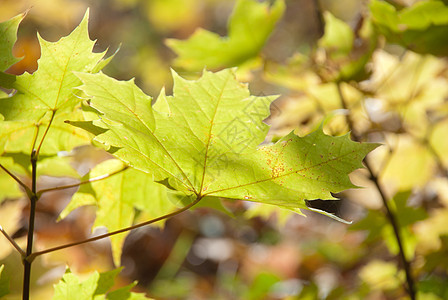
[292, 170]
[71, 287]
[96, 286]
[429, 231]
[169, 15]
[404, 175]
[422, 27]
[296, 73]
[439, 142]
[380, 275]
[8, 36]
[47, 97]
[411, 86]
[204, 141]
[249, 27]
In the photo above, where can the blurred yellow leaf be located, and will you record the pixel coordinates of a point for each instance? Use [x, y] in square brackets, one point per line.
[411, 86]
[411, 164]
[429, 231]
[169, 15]
[381, 275]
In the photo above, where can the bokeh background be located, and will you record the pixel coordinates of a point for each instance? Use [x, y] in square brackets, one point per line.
[251, 253]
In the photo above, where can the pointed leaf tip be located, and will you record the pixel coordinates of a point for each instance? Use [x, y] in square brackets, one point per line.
[8, 37]
[38, 98]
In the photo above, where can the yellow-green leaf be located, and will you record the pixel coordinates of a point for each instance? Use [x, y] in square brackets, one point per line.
[46, 98]
[8, 36]
[204, 141]
[249, 27]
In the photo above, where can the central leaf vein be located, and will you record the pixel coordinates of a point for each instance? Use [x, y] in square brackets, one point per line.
[207, 146]
[284, 175]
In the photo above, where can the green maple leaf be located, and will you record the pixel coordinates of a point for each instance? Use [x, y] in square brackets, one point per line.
[249, 27]
[292, 170]
[204, 141]
[8, 36]
[46, 98]
[117, 196]
[96, 286]
[71, 287]
[422, 27]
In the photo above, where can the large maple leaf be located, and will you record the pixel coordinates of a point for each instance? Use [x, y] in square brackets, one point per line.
[204, 140]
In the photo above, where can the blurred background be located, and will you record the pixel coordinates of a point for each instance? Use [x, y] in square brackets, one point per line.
[252, 252]
[142, 27]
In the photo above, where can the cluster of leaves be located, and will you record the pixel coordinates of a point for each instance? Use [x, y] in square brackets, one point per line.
[353, 82]
[398, 100]
[207, 142]
[202, 143]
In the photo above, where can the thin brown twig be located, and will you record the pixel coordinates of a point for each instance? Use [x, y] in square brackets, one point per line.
[102, 236]
[31, 223]
[25, 187]
[389, 214]
[11, 240]
[396, 228]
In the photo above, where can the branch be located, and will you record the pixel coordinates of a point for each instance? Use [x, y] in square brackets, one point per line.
[63, 187]
[102, 236]
[30, 237]
[393, 221]
[389, 214]
[25, 187]
[10, 239]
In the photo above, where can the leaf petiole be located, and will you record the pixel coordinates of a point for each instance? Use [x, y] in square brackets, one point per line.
[23, 185]
[10, 239]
